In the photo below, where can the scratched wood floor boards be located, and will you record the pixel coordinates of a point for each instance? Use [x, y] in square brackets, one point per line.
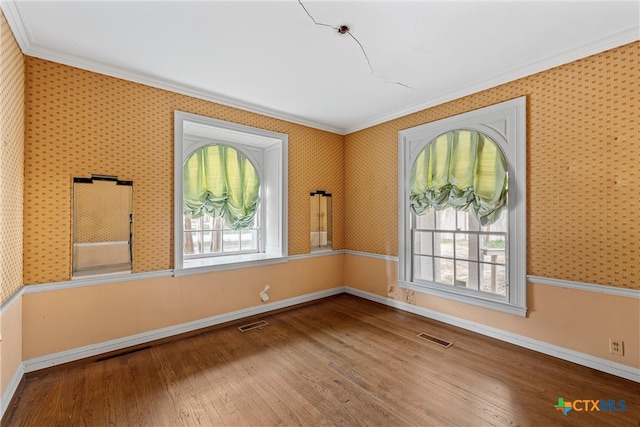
[343, 361]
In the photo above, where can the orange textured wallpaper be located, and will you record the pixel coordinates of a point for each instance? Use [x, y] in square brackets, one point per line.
[582, 170]
[11, 163]
[101, 211]
[79, 122]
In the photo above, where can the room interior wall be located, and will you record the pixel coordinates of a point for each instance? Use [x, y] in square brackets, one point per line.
[65, 319]
[80, 123]
[582, 203]
[101, 212]
[10, 346]
[11, 194]
[578, 320]
[11, 161]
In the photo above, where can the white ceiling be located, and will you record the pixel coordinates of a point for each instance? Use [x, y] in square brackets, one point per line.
[270, 57]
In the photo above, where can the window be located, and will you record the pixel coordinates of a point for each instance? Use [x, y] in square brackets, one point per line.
[221, 196]
[462, 208]
[209, 236]
[230, 198]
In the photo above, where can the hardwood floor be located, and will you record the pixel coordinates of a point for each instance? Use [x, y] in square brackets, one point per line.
[342, 361]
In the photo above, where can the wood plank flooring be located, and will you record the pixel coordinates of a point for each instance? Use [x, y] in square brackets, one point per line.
[342, 361]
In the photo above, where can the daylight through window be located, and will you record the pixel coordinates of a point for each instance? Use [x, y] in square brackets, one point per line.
[462, 208]
[230, 202]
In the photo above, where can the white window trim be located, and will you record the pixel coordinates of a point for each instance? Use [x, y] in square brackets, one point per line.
[268, 152]
[505, 124]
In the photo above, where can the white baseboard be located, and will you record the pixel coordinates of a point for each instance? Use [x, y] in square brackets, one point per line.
[10, 391]
[577, 357]
[79, 353]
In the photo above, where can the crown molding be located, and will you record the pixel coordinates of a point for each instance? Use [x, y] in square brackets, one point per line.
[146, 79]
[17, 23]
[23, 36]
[626, 36]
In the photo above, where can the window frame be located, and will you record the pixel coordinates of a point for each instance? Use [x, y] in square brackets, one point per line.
[505, 123]
[454, 257]
[201, 232]
[268, 152]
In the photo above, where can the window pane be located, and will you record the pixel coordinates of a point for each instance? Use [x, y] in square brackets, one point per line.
[443, 271]
[462, 245]
[207, 222]
[493, 279]
[493, 241]
[501, 224]
[426, 220]
[472, 222]
[493, 249]
[231, 241]
[423, 243]
[446, 219]
[248, 240]
[212, 241]
[190, 242]
[443, 244]
[206, 242]
[462, 274]
[423, 268]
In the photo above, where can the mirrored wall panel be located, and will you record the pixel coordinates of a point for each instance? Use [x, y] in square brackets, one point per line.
[102, 226]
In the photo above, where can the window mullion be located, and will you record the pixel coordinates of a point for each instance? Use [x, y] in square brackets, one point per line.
[455, 264]
[201, 234]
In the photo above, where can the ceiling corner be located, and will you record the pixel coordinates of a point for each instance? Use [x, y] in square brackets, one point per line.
[18, 24]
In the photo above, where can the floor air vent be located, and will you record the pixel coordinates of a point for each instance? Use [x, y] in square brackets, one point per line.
[439, 341]
[254, 325]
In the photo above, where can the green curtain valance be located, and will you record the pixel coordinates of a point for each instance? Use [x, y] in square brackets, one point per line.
[220, 181]
[461, 169]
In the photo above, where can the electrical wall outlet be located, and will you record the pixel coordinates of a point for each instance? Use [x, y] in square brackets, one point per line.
[616, 347]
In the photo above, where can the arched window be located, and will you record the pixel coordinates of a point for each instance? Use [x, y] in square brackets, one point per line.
[464, 170]
[221, 194]
[230, 204]
[462, 207]
[458, 194]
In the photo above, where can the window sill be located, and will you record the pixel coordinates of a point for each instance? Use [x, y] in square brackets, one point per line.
[206, 265]
[461, 295]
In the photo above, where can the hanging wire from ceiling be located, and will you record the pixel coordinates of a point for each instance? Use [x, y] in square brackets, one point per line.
[342, 29]
[345, 29]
